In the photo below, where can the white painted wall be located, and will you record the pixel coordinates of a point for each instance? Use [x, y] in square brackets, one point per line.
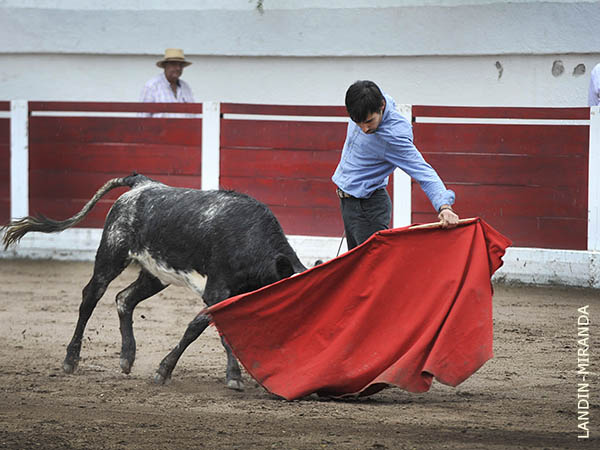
[443, 80]
[305, 51]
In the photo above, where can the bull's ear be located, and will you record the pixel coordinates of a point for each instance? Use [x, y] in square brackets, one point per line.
[284, 266]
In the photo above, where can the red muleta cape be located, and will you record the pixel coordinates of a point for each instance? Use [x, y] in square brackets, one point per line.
[405, 306]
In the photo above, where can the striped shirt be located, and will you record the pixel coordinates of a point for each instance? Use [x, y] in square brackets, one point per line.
[158, 90]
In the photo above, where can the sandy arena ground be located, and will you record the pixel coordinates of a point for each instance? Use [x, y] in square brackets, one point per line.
[526, 397]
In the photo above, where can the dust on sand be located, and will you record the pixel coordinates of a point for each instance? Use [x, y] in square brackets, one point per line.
[525, 397]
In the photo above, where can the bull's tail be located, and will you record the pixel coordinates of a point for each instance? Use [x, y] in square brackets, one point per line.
[16, 229]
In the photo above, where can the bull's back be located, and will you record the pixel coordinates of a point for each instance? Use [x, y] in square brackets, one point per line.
[189, 228]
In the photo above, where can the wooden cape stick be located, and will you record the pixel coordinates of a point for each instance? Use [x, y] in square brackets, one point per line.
[439, 224]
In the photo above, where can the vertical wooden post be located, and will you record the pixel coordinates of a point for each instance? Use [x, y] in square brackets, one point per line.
[211, 143]
[402, 205]
[594, 181]
[19, 159]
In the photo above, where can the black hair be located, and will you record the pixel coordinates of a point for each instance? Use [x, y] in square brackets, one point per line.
[363, 98]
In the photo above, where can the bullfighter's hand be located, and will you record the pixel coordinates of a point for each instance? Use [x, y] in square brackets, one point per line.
[448, 217]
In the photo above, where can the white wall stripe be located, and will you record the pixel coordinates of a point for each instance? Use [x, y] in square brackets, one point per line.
[19, 159]
[402, 201]
[211, 140]
[594, 181]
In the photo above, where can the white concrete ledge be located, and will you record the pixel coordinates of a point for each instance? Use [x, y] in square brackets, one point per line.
[549, 266]
[521, 265]
[76, 244]
[413, 29]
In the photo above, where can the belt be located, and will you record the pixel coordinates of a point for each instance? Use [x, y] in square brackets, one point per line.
[342, 194]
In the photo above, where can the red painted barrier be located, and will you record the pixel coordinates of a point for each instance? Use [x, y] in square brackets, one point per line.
[501, 112]
[71, 157]
[116, 107]
[286, 164]
[283, 110]
[528, 181]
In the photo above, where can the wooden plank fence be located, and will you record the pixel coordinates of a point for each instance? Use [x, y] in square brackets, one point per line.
[524, 170]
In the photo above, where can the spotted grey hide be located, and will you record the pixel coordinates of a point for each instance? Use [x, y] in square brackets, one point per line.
[216, 243]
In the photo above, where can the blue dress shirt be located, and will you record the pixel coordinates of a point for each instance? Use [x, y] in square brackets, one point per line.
[368, 159]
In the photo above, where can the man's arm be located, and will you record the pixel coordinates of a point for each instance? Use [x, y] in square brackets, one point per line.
[404, 155]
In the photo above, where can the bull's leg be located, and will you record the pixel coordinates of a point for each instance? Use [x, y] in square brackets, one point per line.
[233, 374]
[214, 293]
[144, 287]
[194, 329]
[105, 270]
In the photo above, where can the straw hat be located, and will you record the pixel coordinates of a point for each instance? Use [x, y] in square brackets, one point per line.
[175, 55]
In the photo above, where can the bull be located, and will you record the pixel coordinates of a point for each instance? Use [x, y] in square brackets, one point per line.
[216, 243]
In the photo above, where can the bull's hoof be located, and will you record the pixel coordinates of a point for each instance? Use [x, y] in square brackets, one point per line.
[125, 365]
[69, 366]
[236, 385]
[161, 379]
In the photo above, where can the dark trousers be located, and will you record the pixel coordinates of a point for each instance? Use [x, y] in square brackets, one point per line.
[365, 216]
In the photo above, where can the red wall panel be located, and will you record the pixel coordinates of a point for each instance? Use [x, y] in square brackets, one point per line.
[282, 135]
[72, 157]
[118, 130]
[527, 180]
[98, 157]
[195, 108]
[273, 163]
[287, 165]
[283, 110]
[502, 139]
[501, 112]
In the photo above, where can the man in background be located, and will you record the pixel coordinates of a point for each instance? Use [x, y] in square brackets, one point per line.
[168, 87]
